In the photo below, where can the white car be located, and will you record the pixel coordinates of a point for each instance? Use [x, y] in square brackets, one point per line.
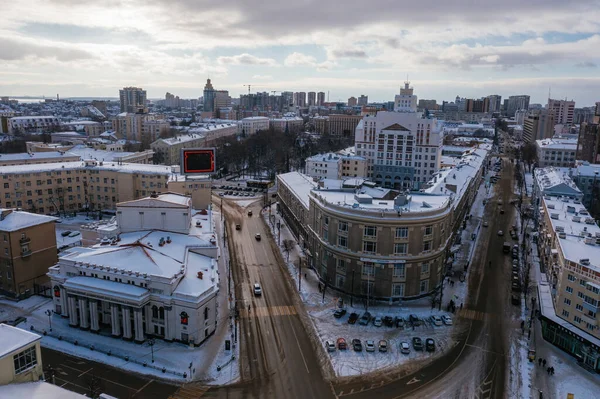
[257, 289]
[377, 321]
[370, 346]
[404, 348]
[500, 233]
[485, 224]
[330, 345]
[436, 320]
[447, 320]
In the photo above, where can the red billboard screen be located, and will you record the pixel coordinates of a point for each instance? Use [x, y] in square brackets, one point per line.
[198, 160]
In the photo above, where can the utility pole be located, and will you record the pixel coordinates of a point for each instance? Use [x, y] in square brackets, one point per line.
[352, 289]
[299, 274]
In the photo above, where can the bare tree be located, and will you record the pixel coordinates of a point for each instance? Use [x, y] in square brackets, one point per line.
[288, 245]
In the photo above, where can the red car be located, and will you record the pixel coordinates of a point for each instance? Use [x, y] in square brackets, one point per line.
[341, 344]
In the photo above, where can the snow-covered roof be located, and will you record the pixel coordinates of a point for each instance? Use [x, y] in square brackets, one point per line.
[299, 184]
[255, 118]
[86, 152]
[558, 144]
[550, 177]
[328, 157]
[193, 285]
[37, 390]
[119, 167]
[107, 287]
[167, 198]
[17, 220]
[14, 338]
[574, 246]
[22, 156]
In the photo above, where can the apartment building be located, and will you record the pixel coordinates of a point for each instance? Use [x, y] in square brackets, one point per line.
[169, 149]
[353, 166]
[153, 129]
[562, 110]
[132, 99]
[28, 250]
[538, 125]
[556, 152]
[76, 186]
[324, 166]
[158, 277]
[343, 125]
[320, 98]
[253, 124]
[588, 143]
[370, 241]
[402, 149]
[32, 124]
[570, 290]
[20, 357]
[289, 123]
[312, 98]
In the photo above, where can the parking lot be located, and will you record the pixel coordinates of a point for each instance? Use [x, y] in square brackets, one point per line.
[355, 362]
[233, 191]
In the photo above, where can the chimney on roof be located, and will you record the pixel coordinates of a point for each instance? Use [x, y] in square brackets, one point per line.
[153, 195]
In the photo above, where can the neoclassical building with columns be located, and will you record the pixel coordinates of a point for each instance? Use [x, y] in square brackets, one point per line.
[157, 276]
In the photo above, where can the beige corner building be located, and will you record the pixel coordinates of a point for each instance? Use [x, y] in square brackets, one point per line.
[20, 356]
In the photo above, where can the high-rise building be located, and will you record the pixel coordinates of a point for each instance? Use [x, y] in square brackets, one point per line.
[320, 99]
[430, 105]
[538, 125]
[222, 99]
[132, 99]
[312, 98]
[287, 100]
[406, 101]
[363, 100]
[515, 103]
[209, 97]
[563, 111]
[300, 99]
[588, 143]
[352, 102]
[495, 102]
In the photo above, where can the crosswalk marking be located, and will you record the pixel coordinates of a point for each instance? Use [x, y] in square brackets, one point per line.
[471, 314]
[271, 311]
[189, 391]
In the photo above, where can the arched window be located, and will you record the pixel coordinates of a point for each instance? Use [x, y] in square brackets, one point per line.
[184, 318]
[57, 291]
[155, 312]
[161, 313]
[205, 313]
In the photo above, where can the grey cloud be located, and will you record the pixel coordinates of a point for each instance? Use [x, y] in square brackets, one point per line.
[11, 50]
[586, 64]
[245, 59]
[85, 34]
[349, 54]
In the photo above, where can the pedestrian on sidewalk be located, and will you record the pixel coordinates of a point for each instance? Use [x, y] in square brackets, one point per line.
[548, 370]
[544, 362]
[461, 305]
[552, 370]
[540, 361]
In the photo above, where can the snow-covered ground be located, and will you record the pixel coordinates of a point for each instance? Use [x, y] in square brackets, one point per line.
[72, 239]
[320, 308]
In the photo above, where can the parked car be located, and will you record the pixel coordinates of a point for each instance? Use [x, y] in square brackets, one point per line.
[388, 321]
[238, 227]
[429, 345]
[447, 320]
[365, 319]
[377, 322]
[66, 233]
[500, 233]
[74, 234]
[353, 317]
[370, 345]
[485, 224]
[357, 345]
[436, 320]
[257, 289]
[339, 313]
[404, 348]
[399, 322]
[249, 213]
[257, 236]
[383, 345]
[417, 343]
[414, 319]
[341, 344]
[221, 194]
[330, 346]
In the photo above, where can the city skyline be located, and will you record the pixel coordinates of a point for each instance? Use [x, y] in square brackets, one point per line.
[82, 50]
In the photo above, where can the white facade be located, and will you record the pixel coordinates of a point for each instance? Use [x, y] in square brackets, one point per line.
[324, 166]
[406, 101]
[291, 122]
[402, 149]
[556, 152]
[148, 282]
[253, 124]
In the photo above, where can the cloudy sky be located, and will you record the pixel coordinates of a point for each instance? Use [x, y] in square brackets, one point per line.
[470, 48]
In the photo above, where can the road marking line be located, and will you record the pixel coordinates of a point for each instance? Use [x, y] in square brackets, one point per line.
[85, 372]
[413, 381]
[299, 347]
[148, 383]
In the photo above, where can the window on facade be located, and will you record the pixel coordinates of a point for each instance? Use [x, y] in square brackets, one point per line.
[370, 231]
[427, 245]
[343, 241]
[570, 277]
[184, 318]
[424, 286]
[399, 270]
[579, 307]
[400, 248]
[368, 269]
[398, 289]
[428, 230]
[341, 266]
[401, 232]
[325, 234]
[342, 226]
[567, 301]
[369, 246]
[565, 313]
[425, 268]
[25, 360]
[569, 290]
[205, 313]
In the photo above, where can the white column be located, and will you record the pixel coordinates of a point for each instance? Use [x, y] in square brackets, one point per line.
[84, 315]
[138, 325]
[94, 315]
[168, 327]
[73, 321]
[148, 315]
[115, 321]
[64, 303]
[126, 310]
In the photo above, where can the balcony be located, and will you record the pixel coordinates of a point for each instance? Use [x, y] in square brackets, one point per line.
[25, 254]
[589, 306]
[24, 240]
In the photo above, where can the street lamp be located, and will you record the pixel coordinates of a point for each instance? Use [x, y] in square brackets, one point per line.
[151, 343]
[49, 314]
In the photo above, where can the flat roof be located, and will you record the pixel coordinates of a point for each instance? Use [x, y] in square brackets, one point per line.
[558, 144]
[14, 338]
[17, 220]
[299, 184]
[37, 390]
[99, 286]
[21, 156]
[79, 165]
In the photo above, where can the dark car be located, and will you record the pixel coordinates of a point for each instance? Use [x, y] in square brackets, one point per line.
[66, 233]
[417, 343]
[339, 313]
[399, 322]
[353, 317]
[429, 345]
[414, 319]
[357, 345]
[388, 321]
[365, 319]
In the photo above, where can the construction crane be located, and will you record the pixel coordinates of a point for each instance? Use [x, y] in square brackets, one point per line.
[250, 85]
